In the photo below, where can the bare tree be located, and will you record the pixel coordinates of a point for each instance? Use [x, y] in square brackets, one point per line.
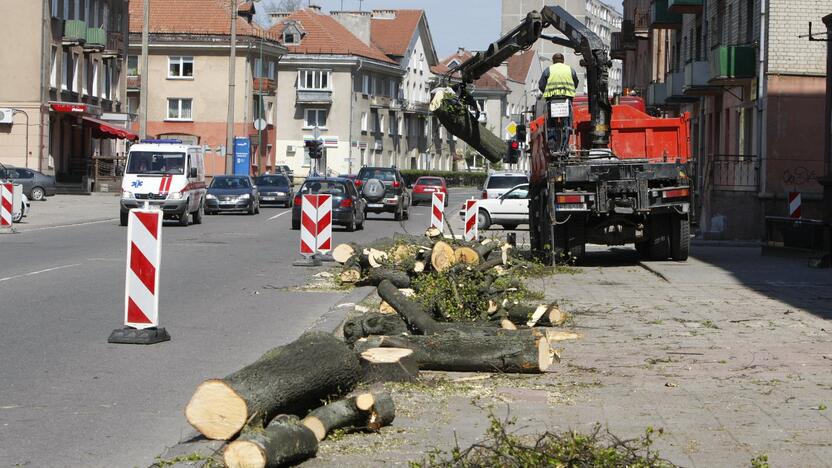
[287, 5]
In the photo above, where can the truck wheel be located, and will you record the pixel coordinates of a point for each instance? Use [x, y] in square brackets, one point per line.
[659, 238]
[184, 218]
[199, 213]
[123, 218]
[680, 238]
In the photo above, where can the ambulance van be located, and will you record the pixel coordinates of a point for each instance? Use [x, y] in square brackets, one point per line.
[168, 175]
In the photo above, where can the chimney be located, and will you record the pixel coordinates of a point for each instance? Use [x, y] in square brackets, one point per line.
[460, 50]
[503, 68]
[275, 16]
[357, 22]
[315, 8]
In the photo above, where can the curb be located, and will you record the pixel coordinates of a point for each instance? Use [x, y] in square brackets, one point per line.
[329, 322]
[725, 243]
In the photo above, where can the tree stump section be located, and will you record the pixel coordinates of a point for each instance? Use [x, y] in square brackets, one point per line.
[342, 252]
[442, 257]
[284, 442]
[389, 365]
[466, 255]
[290, 379]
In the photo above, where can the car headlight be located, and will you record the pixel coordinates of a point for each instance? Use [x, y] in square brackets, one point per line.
[245, 196]
[126, 194]
[210, 197]
[175, 196]
[280, 194]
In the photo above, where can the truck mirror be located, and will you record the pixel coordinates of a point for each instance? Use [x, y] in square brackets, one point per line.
[192, 173]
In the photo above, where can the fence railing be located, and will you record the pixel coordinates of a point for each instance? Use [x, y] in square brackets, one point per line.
[734, 172]
[109, 167]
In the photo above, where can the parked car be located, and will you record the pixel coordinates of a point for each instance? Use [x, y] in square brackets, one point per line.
[348, 207]
[498, 183]
[274, 189]
[232, 193]
[22, 210]
[425, 187]
[36, 185]
[385, 190]
[509, 210]
[285, 170]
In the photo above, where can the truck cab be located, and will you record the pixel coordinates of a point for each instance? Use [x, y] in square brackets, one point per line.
[165, 174]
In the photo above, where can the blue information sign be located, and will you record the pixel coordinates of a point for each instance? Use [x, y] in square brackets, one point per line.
[242, 156]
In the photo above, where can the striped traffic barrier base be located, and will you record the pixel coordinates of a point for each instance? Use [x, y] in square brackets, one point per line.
[315, 229]
[6, 208]
[437, 212]
[141, 288]
[472, 217]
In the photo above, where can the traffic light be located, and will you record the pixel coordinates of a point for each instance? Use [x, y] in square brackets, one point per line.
[315, 148]
[513, 152]
[520, 133]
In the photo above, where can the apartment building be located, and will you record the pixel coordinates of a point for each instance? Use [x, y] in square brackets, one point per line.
[187, 75]
[752, 87]
[62, 85]
[600, 18]
[360, 81]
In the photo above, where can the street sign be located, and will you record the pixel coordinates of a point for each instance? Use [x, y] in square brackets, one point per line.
[511, 128]
[260, 124]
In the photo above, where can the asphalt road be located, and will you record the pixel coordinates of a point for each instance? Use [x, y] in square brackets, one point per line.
[68, 398]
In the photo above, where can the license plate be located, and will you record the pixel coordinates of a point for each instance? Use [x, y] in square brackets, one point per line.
[228, 203]
[375, 205]
[430, 190]
[268, 198]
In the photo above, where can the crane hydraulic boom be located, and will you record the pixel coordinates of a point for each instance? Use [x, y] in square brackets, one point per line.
[577, 37]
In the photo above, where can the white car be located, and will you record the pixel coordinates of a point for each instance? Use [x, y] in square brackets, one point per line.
[509, 210]
[21, 211]
[498, 183]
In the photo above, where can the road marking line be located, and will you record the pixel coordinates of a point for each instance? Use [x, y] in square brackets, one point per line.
[108, 220]
[38, 272]
[279, 215]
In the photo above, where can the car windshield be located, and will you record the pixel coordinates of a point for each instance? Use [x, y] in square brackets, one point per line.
[430, 181]
[151, 162]
[506, 182]
[387, 175]
[518, 193]
[323, 187]
[229, 183]
[272, 181]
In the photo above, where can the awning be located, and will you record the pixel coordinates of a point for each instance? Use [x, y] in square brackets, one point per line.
[102, 129]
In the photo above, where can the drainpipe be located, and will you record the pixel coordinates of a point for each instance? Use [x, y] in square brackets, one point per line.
[45, 64]
[352, 104]
[762, 83]
[826, 180]
[25, 114]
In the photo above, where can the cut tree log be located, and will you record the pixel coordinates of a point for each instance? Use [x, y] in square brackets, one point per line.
[388, 365]
[350, 276]
[375, 257]
[284, 442]
[386, 308]
[515, 353]
[418, 321]
[466, 255]
[418, 266]
[290, 379]
[403, 252]
[442, 256]
[558, 335]
[549, 315]
[373, 413]
[486, 248]
[507, 324]
[373, 323]
[342, 252]
[399, 278]
[466, 126]
[433, 232]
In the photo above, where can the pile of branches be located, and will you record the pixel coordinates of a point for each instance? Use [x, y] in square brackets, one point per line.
[597, 449]
[458, 305]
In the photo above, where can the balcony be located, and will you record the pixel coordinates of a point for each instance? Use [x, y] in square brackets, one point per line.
[617, 50]
[75, 32]
[314, 96]
[134, 83]
[731, 65]
[697, 74]
[380, 101]
[263, 86]
[115, 45]
[662, 18]
[689, 7]
[96, 39]
[656, 94]
[641, 23]
[674, 83]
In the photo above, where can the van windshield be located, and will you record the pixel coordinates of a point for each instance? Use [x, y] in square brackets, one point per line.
[150, 162]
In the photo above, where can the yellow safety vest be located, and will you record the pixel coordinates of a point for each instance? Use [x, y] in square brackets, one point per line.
[560, 81]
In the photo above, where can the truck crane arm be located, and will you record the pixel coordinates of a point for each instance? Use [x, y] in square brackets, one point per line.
[577, 37]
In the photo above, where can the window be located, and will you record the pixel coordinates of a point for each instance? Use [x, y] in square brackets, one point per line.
[180, 109]
[365, 88]
[108, 82]
[290, 38]
[381, 123]
[315, 118]
[270, 112]
[400, 130]
[313, 79]
[392, 123]
[132, 65]
[76, 11]
[180, 67]
[94, 84]
[364, 122]
[258, 68]
[55, 4]
[53, 69]
[132, 104]
[271, 70]
[76, 74]
[65, 67]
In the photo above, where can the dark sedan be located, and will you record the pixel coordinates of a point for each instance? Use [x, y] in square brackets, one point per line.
[232, 193]
[36, 185]
[274, 189]
[347, 205]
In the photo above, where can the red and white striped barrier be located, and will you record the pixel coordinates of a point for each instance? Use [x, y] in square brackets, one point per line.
[6, 206]
[144, 252]
[437, 212]
[472, 219]
[794, 205]
[315, 224]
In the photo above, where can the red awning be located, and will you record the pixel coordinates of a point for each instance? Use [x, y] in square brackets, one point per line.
[103, 129]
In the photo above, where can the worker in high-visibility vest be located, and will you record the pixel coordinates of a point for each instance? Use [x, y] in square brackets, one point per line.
[558, 82]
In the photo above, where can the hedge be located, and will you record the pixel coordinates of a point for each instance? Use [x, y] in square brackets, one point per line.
[454, 178]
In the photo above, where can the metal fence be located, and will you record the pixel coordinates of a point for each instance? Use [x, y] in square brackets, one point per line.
[734, 172]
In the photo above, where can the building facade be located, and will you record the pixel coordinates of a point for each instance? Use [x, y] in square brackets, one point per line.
[66, 88]
[752, 88]
[187, 75]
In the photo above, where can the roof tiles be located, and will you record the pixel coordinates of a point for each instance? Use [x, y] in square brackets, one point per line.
[190, 17]
[393, 35]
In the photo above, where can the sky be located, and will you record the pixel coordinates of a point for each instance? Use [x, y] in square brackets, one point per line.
[472, 24]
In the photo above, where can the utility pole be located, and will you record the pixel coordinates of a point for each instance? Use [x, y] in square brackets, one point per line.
[229, 143]
[143, 93]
